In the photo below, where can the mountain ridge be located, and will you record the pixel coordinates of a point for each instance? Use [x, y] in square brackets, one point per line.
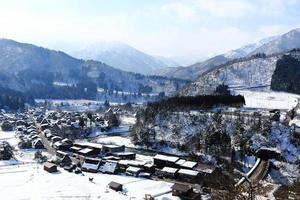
[29, 68]
[123, 56]
[254, 73]
[270, 45]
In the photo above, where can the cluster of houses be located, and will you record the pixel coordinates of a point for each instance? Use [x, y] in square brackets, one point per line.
[113, 159]
[174, 167]
[55, 131]
[28, 135]
[6, 122]
[76, 125]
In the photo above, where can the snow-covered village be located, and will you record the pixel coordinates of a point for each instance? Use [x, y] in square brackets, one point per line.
[150, 100]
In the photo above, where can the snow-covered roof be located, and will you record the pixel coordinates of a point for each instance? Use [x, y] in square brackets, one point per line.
[180, 162]
[169, 170]
[108, 167]
[90, 166]
[188, 172]
[189, 164]
[166, 158]
[56, 137]
[38, 140]
[149, 165]
[131, 162]
[123, 153]
[85, 150]
[75, 148]
[133, 169]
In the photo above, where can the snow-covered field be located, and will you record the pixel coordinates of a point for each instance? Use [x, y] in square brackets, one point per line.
[24, 178]
[118, 136]
[9, 136]
[269, 100]
[30, 181]
[116, 140]
[128, 120]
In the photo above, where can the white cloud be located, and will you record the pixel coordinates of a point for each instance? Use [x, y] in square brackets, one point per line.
[226, 8]
[188, 28]
[203, 41]
[182, 11]
[275, 7]
[49, 30]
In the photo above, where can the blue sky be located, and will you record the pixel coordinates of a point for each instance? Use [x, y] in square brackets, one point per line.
[188, 28]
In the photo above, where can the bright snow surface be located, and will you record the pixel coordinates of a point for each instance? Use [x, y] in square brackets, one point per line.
[25, 179]
[30, 181]
[269, 100]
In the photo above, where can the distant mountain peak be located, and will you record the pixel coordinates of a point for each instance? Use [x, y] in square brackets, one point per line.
[269, 45]
[102, 46]
[45, 73]
[247, 49]
[122, 56]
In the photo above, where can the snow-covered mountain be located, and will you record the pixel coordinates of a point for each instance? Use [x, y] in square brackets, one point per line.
[247, 49]
[254, 72]
[270, 45]
[123, 56]
[45, 73]
[193, 71]
[282, 43]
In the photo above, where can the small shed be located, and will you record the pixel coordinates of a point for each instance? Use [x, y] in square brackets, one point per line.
[168, 172]
[133, 171]
[50, 167]
[115, 186]
[149, 168]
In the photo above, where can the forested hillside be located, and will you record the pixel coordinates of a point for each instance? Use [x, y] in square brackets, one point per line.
[44, 73]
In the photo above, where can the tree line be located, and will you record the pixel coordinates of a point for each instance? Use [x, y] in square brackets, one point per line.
[14, 100]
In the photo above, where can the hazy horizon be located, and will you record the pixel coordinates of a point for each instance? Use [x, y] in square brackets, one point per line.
[192, 28]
